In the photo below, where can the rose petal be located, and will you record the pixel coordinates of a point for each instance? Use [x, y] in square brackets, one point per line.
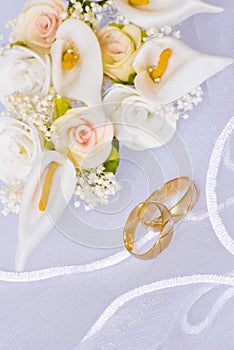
[98, 147]
[134, 34]
[84, 81]
[163, 12]
[97, 156]
[24, 71]
[137, 124]
[16, 136]
[35, 224]
[186, 70]
[26, 27]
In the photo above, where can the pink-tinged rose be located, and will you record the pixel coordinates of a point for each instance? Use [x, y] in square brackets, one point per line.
[119, 46]
[85, 136]
[37, 25]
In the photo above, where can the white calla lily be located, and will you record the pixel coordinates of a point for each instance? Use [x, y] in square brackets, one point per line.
[49, 189]
[167, 69]
[158, 13]
[77, 63]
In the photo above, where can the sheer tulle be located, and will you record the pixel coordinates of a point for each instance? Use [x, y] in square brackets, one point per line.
[181, 300]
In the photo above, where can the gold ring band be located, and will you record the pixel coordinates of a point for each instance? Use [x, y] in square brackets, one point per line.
[168, 190]
[163, 239]
[164, 223]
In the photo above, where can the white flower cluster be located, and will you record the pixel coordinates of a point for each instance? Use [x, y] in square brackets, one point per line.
[10, 197]
[187, 102]
[87, 14]
[179, 108]
[154, 32]
[94, 13]
[30, 91]
[35, 110]
[95, 186]
[57, 50]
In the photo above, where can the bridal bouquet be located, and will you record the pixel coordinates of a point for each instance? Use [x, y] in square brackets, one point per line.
[79, 78]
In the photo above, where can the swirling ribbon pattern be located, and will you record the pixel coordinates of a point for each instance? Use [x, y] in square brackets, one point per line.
[214, 280]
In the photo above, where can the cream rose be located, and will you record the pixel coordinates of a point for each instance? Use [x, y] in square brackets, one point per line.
[138, 124]
[85, 136]
[20, 145]
[118, 46]
[37, 25]
[24, 71]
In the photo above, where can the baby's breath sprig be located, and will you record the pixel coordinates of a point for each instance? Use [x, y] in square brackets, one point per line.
[10, 198]
[34, 110]
[186, 103]
[96, 14]
[95, 186]
[82, 10]
[181, 108]
[71, 3]
[157, 33]
[86, 11]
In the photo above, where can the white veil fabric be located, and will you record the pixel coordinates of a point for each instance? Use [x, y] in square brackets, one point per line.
[73, 296]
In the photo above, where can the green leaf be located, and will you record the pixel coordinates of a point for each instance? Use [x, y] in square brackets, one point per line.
[130, 81]
[61, 106]
[115, 143]
[117, 25]
[115, 81]
[112, 162]
[131, 78]
[143, 34]
[49, 146]
[17, 43]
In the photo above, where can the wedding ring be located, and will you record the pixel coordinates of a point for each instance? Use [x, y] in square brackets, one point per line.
[168, 190]
[163, 223]
[162, 239]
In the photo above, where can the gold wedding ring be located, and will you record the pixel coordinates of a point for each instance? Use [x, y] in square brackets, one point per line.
[162, 223]
[167, 191]
[163, 239]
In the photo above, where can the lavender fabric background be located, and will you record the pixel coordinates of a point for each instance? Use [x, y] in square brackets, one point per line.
[58, 312]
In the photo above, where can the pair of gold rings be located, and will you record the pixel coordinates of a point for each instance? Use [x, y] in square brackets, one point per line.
[163, 222]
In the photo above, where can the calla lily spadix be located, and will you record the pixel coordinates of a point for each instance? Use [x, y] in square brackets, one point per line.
[50, 187]
[167, 69]
[77, 69]
[158, 13]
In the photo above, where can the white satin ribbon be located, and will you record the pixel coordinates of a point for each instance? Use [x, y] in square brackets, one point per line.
[213, 312]
[211, 185]
[53, 272]
[153, 287]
